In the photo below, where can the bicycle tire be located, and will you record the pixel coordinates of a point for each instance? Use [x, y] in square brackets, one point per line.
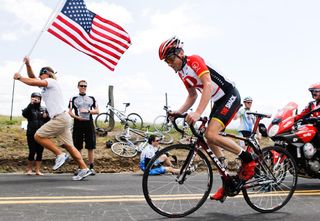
[135, 121]
[159, 189]
[261, 197]
[160, 124]
[104, 122]
[123, 149]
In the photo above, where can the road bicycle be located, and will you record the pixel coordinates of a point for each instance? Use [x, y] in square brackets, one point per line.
[132, 141]
[106, 122]
[162, 124]
[178, 195]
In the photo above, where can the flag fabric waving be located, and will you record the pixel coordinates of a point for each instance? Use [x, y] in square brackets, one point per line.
[103, 40]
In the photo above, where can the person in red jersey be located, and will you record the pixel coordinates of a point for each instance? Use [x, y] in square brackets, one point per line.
[315, 104]
[198, 76]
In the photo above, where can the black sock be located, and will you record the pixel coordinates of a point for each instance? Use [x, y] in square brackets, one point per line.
[91, 166]
[245, 157]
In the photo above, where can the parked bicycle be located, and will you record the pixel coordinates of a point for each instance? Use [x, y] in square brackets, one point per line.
[132, 141]
[177, 195]
[106, 122]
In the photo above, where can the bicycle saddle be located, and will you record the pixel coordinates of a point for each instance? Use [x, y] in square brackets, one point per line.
[127, 104]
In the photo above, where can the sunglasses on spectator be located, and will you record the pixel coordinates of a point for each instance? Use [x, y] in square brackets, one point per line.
[157, 140]
[81, 85]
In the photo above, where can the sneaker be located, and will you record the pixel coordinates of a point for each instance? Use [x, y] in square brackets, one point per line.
[246, 171]
[219, 195]
[60, 160]
[83, 173]
[92, 172]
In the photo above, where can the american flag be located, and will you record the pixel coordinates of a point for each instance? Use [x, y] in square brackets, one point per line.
[101, 39]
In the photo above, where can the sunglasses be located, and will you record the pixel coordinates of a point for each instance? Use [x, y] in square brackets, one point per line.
[170, 58]
[83, 86]
[157, 140]
[43, 71]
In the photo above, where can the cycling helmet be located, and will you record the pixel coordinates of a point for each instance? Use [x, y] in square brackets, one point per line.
[36, 94]
[315, 87]
[247, 99]
[170, 46]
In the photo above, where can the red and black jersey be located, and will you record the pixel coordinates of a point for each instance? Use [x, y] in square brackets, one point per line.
[195, 68]
[311, 106]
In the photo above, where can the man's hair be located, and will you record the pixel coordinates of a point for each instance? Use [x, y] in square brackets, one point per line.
[151, 139]
[49, 71]
[82, 81]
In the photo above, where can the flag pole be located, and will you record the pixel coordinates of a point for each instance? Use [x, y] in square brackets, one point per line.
[49, 20]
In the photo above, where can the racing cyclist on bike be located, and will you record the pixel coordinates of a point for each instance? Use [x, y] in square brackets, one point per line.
[197, 75]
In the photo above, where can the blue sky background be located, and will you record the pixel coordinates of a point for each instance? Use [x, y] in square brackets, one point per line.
[270, 49]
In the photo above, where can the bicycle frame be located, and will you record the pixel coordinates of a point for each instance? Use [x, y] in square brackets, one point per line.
[120, 114]
[201, 144]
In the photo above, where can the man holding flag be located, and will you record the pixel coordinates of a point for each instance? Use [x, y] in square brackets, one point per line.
[60, 122]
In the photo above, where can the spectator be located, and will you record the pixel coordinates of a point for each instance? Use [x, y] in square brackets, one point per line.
[36, 116]
[164, 165]
[246, 120]
[60, 122]
[84, 107]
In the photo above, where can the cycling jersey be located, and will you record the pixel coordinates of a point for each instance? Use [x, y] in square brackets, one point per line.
[83, 101]
[195, 68]
[311, 106]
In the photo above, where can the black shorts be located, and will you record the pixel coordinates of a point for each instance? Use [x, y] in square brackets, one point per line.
[84, 132]
[226, 107]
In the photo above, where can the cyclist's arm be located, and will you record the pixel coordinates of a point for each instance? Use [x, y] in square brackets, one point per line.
[206, 93]
[192, 97]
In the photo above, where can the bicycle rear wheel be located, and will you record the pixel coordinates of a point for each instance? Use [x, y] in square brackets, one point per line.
[180, 194]
[104, 121]
[123, 149]
[161, 124]
[274, 182]
[135, 121]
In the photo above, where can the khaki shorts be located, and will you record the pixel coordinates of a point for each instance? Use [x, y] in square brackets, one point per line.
[59, 126]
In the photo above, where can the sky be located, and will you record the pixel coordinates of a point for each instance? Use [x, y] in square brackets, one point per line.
[269, 48]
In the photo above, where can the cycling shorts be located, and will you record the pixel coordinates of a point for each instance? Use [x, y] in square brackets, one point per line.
[226, 107]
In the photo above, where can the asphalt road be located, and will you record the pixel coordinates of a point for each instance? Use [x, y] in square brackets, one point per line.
[119, 197]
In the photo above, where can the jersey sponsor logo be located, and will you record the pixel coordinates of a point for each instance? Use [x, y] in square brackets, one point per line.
[195, 66]
[228, 105]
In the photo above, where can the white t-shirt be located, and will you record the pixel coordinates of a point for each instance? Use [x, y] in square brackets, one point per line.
[53, 98]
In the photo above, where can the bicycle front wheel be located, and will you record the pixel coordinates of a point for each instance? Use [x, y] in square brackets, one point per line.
[123, 149]
[104, 121]
[135, 121]
[161, 124]
[274, 181]
[185, 188]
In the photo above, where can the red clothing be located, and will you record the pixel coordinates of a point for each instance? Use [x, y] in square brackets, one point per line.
[311, 106]
[195, 68]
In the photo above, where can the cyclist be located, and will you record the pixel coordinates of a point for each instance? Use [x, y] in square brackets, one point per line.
[164, 165]
[197, 75]
[315, 93]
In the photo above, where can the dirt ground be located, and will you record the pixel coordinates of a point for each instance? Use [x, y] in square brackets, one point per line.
[14, 152]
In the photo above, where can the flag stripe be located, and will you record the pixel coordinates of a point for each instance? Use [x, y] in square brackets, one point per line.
[111, 67]
[79, 38]
[101, 39]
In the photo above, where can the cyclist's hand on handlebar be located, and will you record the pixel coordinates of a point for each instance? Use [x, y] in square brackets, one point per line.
[192, 117]
[172, 115]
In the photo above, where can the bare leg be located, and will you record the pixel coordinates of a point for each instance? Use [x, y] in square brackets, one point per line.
[90, 156]
[29, 168]
[38, 166]
[214, 139]
[76, 155]
[48, 144]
